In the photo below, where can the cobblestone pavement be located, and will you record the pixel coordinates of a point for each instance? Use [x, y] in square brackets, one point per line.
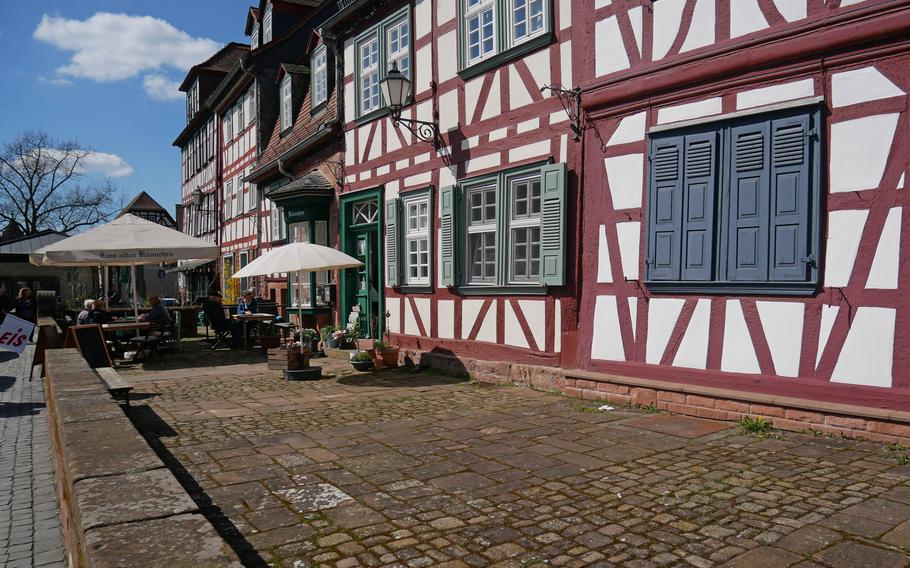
[29, 514]
[397, 469]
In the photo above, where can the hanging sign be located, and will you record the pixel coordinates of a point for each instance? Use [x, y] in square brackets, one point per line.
[15, 333]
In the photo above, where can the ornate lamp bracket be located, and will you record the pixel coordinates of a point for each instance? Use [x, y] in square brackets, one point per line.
[426, 131]
[571, 103]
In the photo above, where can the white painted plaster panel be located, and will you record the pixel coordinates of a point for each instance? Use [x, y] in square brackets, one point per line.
[349, 57]
[701, 29]
[604, 270]
[746, 17]
[539, 65]
[609, 51]
[527, 125]
[606, 343]
[421, 158]
[471, 96]
[850, 2]
[667, 17]
[392, 188]
[402, 164]
[739, 352]
[424, 111]
[410, 322]
[528, 151]
[494, 103]
[557, 340]
[883, 273]
[900, 182]
[513, 333]
[383, 170]
[564, 148]
[445, 11]
[350, 152]
[488, 328]
[469, 143]
[688, 111]
[629, 235]
[426, 316]
[565, 13]
[365, 175]
[482, 163]
[518, 93]
[558, 116]
[469, 311]
[829, 314]
[448, 110]
[393, 306]
[633, 314]
[868, 352]
[775, 94]
[859, 151]
[535, 312]
[565, 63]
[393, 142]
[844, 231]
[349, 114]
[448, 44]
[602, 3]
[423, 18]
[631, 129]
[783, 326]
[625, 174]
[635, 21]
[791, 10]
[424, 74]
[498, 134]
[662, 316]
[860, 86]
[445, 311]
[418, 179]
[693, 349]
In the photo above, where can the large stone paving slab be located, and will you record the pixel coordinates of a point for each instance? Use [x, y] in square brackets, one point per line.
[396, 469]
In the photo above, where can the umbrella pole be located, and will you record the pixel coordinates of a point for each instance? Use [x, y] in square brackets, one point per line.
[299, 306]
[104, 283]
[135, 298]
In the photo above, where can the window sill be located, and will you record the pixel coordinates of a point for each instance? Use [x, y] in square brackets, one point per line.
[415, 289]
[319, 108]
[529, 290]
[286, 131]
[507, 55]
[371, 116]
[735, 288]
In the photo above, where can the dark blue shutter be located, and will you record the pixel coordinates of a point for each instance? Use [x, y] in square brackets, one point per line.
[699, 191]
[747, 254]
[790, 188]
[665, 208]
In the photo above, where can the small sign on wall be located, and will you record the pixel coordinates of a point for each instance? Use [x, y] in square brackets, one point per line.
[15, 333]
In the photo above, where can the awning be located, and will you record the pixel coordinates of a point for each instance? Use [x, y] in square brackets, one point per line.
[190, 265]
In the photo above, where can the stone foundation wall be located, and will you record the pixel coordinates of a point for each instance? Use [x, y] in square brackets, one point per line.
[850, 421]
[120, 505]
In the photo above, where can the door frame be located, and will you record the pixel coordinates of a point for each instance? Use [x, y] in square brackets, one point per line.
[347, 241]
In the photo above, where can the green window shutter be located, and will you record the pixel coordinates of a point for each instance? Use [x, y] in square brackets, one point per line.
[553, 225]
[392, 260]
[447, 226]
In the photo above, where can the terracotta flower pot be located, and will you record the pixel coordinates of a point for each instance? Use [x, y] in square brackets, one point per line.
[389, 356]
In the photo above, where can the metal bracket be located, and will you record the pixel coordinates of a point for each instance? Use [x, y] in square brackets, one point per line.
[571, 103]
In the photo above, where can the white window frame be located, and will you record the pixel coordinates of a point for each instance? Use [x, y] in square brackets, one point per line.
[417, 235]
[529, 220]
[254, 36]
[529, 34]
[241, 195]
[287, 114]
[485, 226]
[474, 9]
[369, 75]
[228, 127]
[402, 55]
[267, 25]
[320, 88]
[228, 198]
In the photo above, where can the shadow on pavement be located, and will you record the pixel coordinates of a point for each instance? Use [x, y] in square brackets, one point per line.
[14, 409]
[7, 382]
[8, 356]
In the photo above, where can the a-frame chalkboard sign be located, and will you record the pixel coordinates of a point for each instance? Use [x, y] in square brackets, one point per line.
[89, 339]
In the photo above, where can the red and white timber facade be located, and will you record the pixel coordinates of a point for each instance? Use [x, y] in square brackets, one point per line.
[698, 64]
[490, 122]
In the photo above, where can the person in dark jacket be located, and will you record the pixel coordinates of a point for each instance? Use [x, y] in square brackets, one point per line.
[25, 306]
[159, 313]
[247, 304]
[6, 303]
[100, 314]
[214, 311]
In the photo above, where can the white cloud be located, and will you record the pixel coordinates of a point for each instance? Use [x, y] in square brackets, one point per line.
[112, 47]
[105, 164]
[57, 81]
[160, 88]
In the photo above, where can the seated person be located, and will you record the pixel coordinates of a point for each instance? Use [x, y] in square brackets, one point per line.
[247, 304]
[99, 314]
[83, 317]
[159, 314]
[214, 311]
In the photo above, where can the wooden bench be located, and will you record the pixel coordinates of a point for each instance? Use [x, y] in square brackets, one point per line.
[115, 384]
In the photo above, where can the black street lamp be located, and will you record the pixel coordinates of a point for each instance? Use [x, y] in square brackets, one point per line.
[396, 90]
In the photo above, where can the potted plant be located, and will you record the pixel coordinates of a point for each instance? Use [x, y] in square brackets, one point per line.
[328, 336]
[387, 353]
[361, 361]
[349, 335]
[309, 338]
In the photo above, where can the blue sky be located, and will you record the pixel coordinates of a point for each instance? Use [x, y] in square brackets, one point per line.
[102, 73]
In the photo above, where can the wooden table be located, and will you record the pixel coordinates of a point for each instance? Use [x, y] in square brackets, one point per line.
[246, 318]
[125, 326]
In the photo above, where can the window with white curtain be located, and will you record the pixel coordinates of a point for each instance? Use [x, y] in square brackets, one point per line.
[287, 116]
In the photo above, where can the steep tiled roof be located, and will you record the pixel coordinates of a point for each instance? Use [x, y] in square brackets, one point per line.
[143, 202]
[311, 183]
[221, 62]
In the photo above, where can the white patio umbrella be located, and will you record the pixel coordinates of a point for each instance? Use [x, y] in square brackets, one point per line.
[299, 258]
[126, 241]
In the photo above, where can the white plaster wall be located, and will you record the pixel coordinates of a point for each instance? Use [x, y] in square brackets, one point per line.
[518, 94]
[471, 96]
[606, 343]
[528, 151]
[609, 51]
[829, 315]
[636, 23]
[662, 316]
[565, 63]
[775, 94]
[425, 313]
[488, 328]
[859, 151]
[424, 72]
[491, 108]
[448, 44]
[539, 65]
[445, 311]
[693, 349]
[844, 231]
[625, 175]
[469, 311]
[791, 10]
[513, 333]
[604, 270]
[701, 29]
[393, 306]
[445, 11]
[448, 110]
[423, 18]
[535, 312]
[667, 17]
[688, 111]
[782, 323]
[565, 13]
[738, 351]
[746, 17]
[418, 179]
[350, 151]
[527, 125]
[861, 86]
[867, 355]
[629, 234]
[482, 163]
[631, 129]
[633, 314]
[884, 270]
[557, 340]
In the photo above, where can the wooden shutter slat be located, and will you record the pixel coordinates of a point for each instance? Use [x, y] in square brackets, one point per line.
[790, 195]
[698, 202]
[447, 229]
[553, 225]
[392, 252]
[665, 209]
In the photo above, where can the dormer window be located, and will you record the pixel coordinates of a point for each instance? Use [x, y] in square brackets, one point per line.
[254, 36]
[287, 111]
[267, 25]
[320, 87]
[192, 101]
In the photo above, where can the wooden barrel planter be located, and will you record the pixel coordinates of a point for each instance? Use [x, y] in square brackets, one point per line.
[290, 359]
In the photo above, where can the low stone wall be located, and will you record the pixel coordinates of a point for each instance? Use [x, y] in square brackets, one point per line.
[786, 413]
[120, 505]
